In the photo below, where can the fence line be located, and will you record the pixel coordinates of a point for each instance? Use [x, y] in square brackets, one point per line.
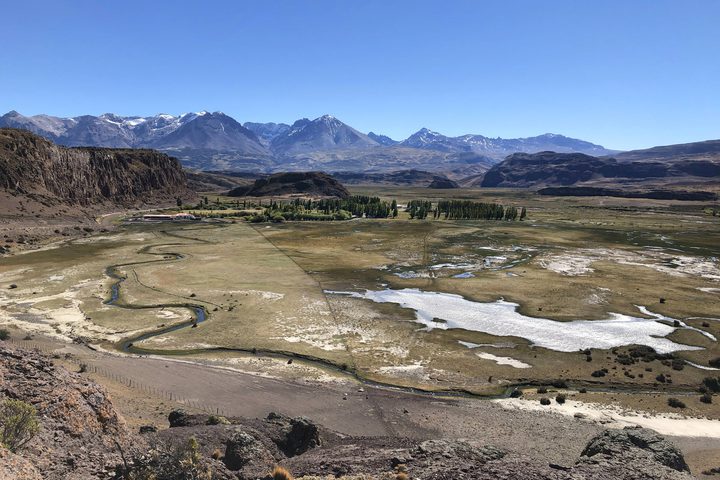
[125, 380]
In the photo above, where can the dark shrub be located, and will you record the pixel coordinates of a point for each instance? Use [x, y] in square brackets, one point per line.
[544, 401]
[598, 373]
[715, 362]
[4, 334]
[542, 390]
[559, 384]
[675, 403]
[560, 399]
[678, 364]
[625, 359]
[515, 393]
[661, 378]
[707, 398]
[712, 384]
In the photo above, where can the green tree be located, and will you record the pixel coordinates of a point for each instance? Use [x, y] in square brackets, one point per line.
[18, 423]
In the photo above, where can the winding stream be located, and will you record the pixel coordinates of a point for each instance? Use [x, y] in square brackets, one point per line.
[200, 314]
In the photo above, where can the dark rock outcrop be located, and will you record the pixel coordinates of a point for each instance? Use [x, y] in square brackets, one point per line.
[443, 183]
[316, 184]
[638, 444]
[544, 168]
[294, 436]
[624, 193]
[564, 169]
[32, 165]
[180, 418]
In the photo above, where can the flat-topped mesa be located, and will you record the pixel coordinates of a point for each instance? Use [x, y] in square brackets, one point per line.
[32, 165]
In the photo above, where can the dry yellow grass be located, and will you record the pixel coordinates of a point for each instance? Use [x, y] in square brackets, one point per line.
[280, 473]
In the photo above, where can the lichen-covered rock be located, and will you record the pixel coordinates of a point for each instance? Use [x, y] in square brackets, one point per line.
[618, 443]
[14, 467]
[80, 430]
[245, 453]
[633, 449]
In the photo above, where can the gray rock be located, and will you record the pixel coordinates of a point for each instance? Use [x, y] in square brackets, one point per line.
[636, 442]
[459, 449]
[245, 453]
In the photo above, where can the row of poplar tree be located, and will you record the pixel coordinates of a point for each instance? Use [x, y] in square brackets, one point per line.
[463, 210]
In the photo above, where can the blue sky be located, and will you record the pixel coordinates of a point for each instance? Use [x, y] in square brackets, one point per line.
[625, 74]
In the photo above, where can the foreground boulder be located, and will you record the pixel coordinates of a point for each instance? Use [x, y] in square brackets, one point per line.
[296, 435]
[246, 453]
[80, 432]
[634, 445]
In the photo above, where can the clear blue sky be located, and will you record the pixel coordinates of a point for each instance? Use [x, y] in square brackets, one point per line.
[622, 73]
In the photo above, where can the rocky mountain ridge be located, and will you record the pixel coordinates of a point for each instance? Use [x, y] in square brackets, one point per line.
[215, 141]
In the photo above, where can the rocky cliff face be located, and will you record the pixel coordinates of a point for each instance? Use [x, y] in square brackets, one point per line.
[32, 165]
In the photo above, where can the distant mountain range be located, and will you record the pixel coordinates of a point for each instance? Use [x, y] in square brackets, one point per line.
[215, 141]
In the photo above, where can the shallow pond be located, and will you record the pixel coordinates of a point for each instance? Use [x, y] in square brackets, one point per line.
[501, 318]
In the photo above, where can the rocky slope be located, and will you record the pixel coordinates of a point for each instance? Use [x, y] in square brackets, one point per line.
[315, 184]
[79, 426]
[33, 166]
[249, 448]
[81, 436]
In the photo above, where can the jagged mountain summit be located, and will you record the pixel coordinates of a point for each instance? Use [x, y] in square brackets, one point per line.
[212, 131]
[267, 131]
[323, 133]
[500, 147]
[382, 139]
[216, 141]
[110, 130]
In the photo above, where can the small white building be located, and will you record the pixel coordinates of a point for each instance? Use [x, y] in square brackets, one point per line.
[178, 217]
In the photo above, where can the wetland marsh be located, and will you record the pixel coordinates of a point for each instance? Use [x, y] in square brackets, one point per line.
[437, 305]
